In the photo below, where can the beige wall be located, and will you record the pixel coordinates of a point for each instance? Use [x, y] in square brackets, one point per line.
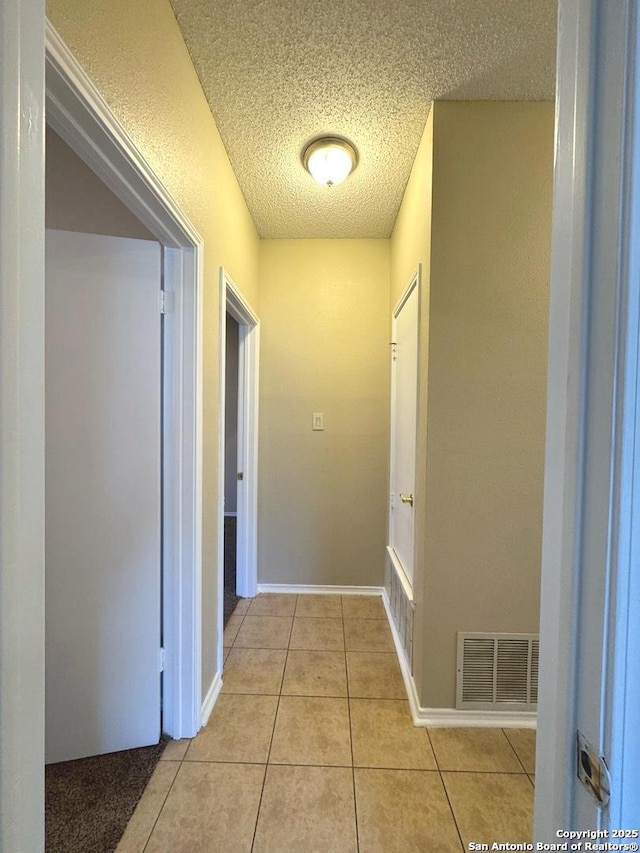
[135, 55]
[76, 199]
[324, 308]
[484, 431]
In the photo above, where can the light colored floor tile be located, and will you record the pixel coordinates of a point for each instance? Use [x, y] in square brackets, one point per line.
[532, 779]
[368, 635]
[239, 729]
[210, 807]
[254, 671]
[384, 736]
[264, 632]
[491, 807]
[309, 673]
[319, 634]
[311, 730]
[242, 606]
[524, 743]
[471, 749]
[144, 817]
[273, 604]
[226, 652]
[404, 810]
[319, 605]
[375, 675]
[308, 809]
[175, 750]
[231, 629]
[363, 607]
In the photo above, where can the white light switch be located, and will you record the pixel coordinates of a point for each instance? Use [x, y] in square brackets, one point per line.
[318, 420]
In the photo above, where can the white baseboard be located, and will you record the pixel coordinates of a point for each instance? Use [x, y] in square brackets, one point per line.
[306, 589]
[210, 699]
[451, 717]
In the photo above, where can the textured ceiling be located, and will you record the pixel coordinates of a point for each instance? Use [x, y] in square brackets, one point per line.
[278, 73]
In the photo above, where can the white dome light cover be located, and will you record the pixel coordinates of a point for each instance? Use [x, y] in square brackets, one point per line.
[330, 160]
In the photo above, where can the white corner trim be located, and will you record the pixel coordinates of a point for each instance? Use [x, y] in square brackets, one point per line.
[210, 699]
[451, 717]
[409, 683]
[310, 589]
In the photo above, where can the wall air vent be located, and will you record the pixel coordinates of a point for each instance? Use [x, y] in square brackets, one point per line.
[497, 672]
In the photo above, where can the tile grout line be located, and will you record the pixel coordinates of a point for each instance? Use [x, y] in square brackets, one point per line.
[273, 731]
[353, 769]
[444, 788]
[164, 802]
[520, 762]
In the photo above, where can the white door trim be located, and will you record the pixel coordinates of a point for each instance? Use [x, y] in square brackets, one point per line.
[22, 424]
[79, 114]
[232, 301]
[564, 422]
[592, 423]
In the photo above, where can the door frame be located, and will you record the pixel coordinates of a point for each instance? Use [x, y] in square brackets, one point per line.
[589, 680]
[232, 302]
[22, 24]
[80, 116]
[408, 587]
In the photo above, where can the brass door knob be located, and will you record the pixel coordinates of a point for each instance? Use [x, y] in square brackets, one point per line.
[406, 499]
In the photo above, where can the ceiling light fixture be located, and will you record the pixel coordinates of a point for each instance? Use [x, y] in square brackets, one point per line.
[330, 160]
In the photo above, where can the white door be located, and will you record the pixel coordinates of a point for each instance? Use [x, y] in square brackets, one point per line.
[404, 407]
[103, 380]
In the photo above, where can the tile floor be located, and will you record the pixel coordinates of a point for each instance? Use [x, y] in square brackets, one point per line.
[311, 747]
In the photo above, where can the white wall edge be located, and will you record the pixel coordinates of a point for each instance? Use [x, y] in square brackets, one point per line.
[22, 425]
[210, 699]
[309, 589]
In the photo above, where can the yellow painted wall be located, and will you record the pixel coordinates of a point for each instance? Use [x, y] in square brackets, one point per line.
[483, 429]
[324, 308]
[135, 55]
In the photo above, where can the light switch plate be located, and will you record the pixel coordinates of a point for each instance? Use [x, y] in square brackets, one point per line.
[318, 420]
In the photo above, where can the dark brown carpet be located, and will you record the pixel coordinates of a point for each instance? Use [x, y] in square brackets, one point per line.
[89, 802]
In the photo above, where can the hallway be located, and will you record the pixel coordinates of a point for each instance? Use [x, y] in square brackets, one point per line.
[311, 747]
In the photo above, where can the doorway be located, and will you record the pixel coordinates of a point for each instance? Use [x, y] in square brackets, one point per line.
[103, 467]
[238, 424]
[232, 471]
[81, 118]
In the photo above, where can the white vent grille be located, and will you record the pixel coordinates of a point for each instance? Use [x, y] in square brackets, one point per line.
[497, 671]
